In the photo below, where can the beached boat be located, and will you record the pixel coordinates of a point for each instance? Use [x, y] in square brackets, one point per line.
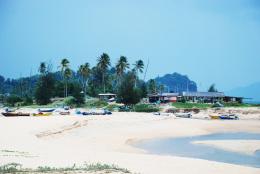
[228, 117]
[183, 115]
[46, 110]
[214, 117]
[15, 114]
[42, 114]
[65, 113]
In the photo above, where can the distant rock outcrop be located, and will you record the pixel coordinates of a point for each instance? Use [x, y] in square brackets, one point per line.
[176, 83]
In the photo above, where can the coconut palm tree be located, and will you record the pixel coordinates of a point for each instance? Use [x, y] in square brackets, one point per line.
[121, 66]
[42, 68]
[67, 76]
[103, 64]
[138, 67]
[63, 66]
[84, 72]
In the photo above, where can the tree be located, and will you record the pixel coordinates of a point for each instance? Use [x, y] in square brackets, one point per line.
[44, 86]
[67, 76]
[84, 72]
[127, 93]
[138, 67]
[64, 65]
[103, 64]
[212, 88]
[152, 87]
[42, 68]
[121, 66]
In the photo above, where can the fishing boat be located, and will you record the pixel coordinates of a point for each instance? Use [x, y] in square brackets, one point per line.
[46, 110]
[214, 117]
[228, 117]
[42, 114]
[183, 115]
[15, 114]
[65, 113]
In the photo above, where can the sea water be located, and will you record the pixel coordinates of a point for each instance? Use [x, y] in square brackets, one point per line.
[185, 148]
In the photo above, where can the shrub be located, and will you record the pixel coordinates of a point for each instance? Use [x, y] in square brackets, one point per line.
[13, 99]
[27, 101]
[96, 103]
[112, 107]
[70, 101]
[145, 108]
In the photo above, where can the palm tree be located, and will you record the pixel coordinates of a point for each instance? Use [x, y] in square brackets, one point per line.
[103, 64]
[64, 65]
[138, 67]
[121, 66]
[42, 68]
[84, 72]
[67, 76]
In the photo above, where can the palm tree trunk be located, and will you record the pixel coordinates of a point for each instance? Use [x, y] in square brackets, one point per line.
[103, 79]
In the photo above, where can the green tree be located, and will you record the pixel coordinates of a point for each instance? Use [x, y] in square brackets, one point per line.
[138, 67]
[67, 76]
[212, 88]
[103, 64]
[44, 86]
[152, 87]
[127, 93]
[84, 71]
[121, 66]
[63, 66]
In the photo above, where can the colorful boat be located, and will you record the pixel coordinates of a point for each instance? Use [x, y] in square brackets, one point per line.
[228, 117]
[42, 114]
[46, 110]
[214, 117]
[15, 114]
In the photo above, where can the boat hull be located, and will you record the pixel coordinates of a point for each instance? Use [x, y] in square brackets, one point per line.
[12, 114]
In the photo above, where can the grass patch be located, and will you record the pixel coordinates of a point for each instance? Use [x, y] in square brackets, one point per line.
[17, 168]
[235, 104]
[191, 105]
[145, 108]
[95, 103]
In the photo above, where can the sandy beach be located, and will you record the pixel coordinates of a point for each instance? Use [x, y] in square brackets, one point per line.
[66, 140]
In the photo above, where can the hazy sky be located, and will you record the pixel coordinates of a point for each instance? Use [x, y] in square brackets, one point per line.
[213, 41]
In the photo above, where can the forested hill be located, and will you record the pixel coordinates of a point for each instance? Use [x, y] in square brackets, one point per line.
[176, 83]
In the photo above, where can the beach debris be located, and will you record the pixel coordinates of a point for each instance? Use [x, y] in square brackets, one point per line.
[62, 129]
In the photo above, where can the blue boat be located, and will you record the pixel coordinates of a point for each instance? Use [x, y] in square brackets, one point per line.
[46, 110]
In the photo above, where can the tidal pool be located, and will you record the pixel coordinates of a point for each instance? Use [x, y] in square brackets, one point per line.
[185, 148]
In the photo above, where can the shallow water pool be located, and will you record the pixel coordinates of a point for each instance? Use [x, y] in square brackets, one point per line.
[183, 147]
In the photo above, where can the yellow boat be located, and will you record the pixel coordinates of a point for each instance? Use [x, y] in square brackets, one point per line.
[42, 114]
[214, 117]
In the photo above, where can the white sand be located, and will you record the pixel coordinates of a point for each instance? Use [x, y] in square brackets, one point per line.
[64, 140]
[248, 147]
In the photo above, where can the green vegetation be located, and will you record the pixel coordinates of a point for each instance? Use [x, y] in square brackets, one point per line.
[17, 168]
[145, 108]
[127, 92]
[191, 105]
[95, 103]
[235, 104]
[212, 88]
[86, 81]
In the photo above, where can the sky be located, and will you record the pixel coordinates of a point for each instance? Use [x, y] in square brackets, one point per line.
[211, 41]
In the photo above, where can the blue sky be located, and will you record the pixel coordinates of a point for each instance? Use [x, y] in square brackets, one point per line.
[214, 41]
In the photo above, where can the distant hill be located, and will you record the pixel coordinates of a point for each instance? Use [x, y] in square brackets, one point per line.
[177, 83]
[251, 91]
